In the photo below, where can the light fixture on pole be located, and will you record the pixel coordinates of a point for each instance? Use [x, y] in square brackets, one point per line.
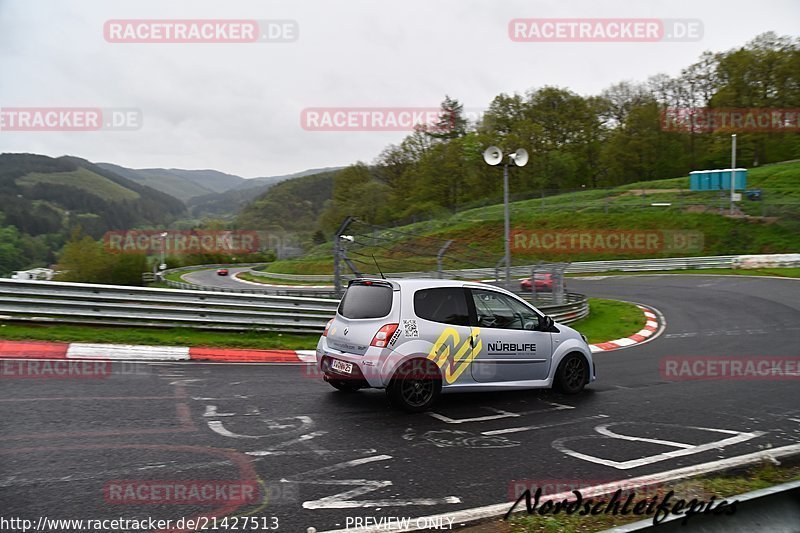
[494, 156]
[733, 170]
[163, 237]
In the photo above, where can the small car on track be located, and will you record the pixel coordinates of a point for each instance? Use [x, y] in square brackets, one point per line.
[417, 338]
[543, 281]
[222, 272]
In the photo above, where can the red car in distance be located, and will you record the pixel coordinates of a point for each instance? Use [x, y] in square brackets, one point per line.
[543, 281]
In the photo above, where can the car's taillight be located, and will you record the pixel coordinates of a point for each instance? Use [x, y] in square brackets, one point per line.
[381, 339]
[327, 327]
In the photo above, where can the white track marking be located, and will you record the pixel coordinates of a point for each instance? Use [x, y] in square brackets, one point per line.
[623, 342]
[541, 426]
[273, 453]
[476, 514]
[500, 414]
[217, 427]
[307, 356]
[344, 500]
[302, 439]
[211, 412]
[125, 352]
[682, 450]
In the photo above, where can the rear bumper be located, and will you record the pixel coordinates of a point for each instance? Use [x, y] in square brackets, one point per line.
[329, 373]
[365, 366]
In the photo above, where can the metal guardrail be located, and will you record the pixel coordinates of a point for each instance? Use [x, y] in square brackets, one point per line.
[80, 303]
[625, 265]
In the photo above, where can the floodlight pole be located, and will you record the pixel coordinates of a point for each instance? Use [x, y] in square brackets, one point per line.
[733, 168]
[507, 227]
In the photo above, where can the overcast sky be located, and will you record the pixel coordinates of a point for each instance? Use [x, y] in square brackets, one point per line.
[237, 107]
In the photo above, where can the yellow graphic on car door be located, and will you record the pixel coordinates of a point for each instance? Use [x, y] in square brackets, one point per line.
[463, 353]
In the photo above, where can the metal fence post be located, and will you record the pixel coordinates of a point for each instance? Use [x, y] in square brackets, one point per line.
[337, 256]
[440, 255]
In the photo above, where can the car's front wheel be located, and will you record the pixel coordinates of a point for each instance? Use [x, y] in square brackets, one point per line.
[415, 386]
[572, 374]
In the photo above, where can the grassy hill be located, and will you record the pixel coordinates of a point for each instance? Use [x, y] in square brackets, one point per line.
[769, 226]
[164, 180]
[82, 179]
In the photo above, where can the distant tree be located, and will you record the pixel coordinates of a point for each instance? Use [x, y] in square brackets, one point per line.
[451, 123]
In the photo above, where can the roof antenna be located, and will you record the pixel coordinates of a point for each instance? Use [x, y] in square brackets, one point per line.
[376, 265]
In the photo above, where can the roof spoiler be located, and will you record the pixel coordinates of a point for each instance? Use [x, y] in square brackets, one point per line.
[375, 281]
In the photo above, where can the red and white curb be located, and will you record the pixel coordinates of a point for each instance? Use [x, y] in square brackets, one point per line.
[653, 327]
[127, 352]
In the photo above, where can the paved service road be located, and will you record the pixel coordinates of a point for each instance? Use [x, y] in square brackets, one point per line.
[324, 456]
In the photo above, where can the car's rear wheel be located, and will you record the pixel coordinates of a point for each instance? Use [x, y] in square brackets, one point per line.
[344, 386]
[415, 386]
[572, 374]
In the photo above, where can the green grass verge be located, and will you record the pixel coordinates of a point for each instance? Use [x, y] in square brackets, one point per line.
[722, 486]
[274, 281]
[157, 336]
[780, 272]
[178, 276]
[609, 320]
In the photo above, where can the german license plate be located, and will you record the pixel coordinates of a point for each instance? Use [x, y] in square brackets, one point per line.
[341, 366]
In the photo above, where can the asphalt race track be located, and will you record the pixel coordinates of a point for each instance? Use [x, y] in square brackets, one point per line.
[324, 456]
[210, 278]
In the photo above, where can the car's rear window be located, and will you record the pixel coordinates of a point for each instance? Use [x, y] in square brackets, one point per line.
[366, 301]
[447, 305]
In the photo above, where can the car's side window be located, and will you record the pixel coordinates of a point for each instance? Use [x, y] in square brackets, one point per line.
[496, 310]
[447, 305]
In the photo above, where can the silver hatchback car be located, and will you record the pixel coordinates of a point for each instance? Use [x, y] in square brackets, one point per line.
[417, 338]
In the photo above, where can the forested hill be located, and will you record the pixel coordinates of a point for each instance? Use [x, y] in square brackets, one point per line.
[292, 205]
[42, 195]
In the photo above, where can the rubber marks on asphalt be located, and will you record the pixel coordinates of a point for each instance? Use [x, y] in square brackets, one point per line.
[128, 352]
[651, 327]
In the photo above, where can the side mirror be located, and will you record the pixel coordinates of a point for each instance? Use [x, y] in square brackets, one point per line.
[546, 323]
